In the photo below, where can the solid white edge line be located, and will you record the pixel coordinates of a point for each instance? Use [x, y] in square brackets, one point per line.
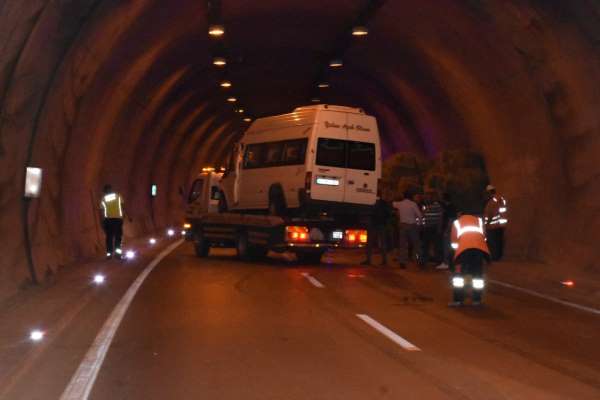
[313, 280]
[546, 297]
[385, 331]
[82, 382]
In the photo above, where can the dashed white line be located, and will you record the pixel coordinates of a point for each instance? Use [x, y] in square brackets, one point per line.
[313, 280]
[82, 382]
[385, 331]
[546, 297]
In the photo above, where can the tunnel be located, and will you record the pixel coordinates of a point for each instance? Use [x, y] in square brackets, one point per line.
[127, 92]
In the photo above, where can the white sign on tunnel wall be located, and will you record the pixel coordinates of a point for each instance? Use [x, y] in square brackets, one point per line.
[33, 182]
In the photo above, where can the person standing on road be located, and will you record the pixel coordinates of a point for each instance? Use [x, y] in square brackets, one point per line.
[495, 215]
[409, 218]
[470, 254]
[112, 211]
[377, 231]
[450, 215]
[432, 227]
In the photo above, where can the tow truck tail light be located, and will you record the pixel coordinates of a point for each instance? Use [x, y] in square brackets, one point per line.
[296, 233]
[308, 181]
[356, 236]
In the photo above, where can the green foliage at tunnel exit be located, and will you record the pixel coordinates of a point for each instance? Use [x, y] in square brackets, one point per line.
[460, 173]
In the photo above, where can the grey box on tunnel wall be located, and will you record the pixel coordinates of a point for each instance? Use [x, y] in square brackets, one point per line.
[33, 182]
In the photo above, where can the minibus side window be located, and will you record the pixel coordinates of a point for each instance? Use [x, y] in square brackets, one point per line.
[273, 153]
[361, 155]
[331, 152]
[197, 188]
[253, 156]
[294, 152]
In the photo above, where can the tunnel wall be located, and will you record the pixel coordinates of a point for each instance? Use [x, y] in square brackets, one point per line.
[109, 91]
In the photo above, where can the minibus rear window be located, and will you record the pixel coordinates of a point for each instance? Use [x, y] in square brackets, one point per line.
[346, 154]
[331, 152]
[361, 156]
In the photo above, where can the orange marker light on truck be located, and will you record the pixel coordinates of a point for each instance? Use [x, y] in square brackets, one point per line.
[356, 236]
[296, 233]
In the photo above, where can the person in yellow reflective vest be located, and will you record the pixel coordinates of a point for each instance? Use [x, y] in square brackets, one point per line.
[496, 220]
[112, 212]
[470, 254]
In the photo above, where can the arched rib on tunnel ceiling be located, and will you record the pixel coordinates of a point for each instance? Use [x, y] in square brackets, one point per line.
[510, 79]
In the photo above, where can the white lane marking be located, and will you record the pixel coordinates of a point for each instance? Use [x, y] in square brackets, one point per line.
[81, 383]
[546, 297]
[313, 280]
[385, 331]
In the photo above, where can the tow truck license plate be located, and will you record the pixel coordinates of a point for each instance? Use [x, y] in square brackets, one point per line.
[337, 235]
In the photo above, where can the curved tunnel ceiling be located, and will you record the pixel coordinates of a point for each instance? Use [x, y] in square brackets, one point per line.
[105, 90]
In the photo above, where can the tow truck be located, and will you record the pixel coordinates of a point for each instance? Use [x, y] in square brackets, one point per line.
[253, 236]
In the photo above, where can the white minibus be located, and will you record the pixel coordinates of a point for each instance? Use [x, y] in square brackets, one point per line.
[321, 157]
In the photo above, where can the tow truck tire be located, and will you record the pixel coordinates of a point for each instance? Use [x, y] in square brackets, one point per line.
[309, 257]
[258, 252]
[201, 246]
[241, 246]
[223, 208]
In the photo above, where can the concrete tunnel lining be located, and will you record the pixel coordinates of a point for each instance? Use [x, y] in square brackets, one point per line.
[107, 91]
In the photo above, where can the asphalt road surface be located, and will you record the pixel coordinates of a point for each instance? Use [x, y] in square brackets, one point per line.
[218, 328]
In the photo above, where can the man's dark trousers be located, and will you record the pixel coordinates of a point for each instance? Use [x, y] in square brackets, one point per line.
[113, 227]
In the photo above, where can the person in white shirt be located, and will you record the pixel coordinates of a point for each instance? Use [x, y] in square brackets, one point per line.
[409, 220]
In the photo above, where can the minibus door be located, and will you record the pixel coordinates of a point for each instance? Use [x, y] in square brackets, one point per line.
[329, 175]
[363, 153]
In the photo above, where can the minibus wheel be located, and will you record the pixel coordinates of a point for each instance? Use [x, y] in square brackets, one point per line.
[276, 203]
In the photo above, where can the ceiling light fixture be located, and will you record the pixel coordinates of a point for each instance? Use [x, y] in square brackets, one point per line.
[226, 84]
[323, 85]
[247, 119]
[315, 100]
[231, 99]
[216, 30]
[219, 61]
[240, 110]
[360, 31]
[336, 63]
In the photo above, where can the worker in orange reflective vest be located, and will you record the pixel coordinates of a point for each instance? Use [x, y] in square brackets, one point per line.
[496, 220]
[470, 254]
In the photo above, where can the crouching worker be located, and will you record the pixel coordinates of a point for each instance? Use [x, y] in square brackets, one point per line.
[470, 254]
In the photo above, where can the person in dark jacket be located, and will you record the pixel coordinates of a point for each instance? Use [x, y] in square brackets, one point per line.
[378, 230]
[450, 215]
[433, 215]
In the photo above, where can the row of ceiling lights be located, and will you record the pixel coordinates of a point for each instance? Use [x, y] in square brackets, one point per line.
[358, 30]
[217, 30]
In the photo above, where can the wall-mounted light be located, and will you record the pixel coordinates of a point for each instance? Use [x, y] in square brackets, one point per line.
[336, 63]
[153, 190]
[219, 61]
[216, 30]
[323, 85]
[247, 119]
[240, 110]
[226, 84]
[33, 182]
[360, 31]
[231, 99]
[315, 100]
